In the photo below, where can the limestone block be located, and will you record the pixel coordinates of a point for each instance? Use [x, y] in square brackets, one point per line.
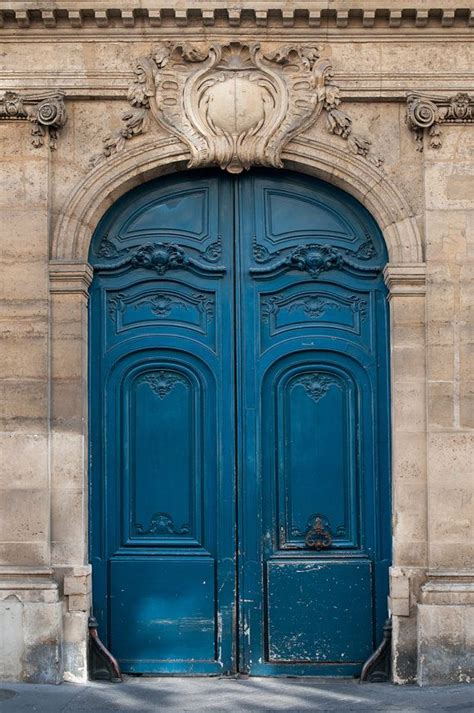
[446, 235]
[24, 461]
[404, 648]
[440, 405]
[67, 404]
[18, 222]
[24, 553]
[24, 280]
[68, 517]
[25, 515]
[445, 652]
[466, 404]
[408, 406]
[450, 457]
[449, 186]
[452, 554]
[11, 646]
[32, 629]
[24, 183]
[408, 362]
[409, 459]
[75, 638]
[77, 584]
[24, 405]
[440, 362]
[79, 602]
[68, 460]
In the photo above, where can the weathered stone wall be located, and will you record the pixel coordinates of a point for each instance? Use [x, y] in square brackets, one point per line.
[50, 203]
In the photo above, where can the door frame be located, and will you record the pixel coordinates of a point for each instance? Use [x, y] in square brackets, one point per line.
[70, 277]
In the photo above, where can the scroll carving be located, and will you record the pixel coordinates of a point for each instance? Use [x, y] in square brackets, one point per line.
[313, 259]
[234, 105]
[427, 114]
[47, 113]
[158, 257]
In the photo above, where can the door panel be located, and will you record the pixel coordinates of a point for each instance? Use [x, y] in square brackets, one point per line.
[310, 369]
[162, 408]
[239, 369]
[311, 618]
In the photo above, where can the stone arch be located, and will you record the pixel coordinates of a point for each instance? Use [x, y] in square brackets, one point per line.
[100, 189]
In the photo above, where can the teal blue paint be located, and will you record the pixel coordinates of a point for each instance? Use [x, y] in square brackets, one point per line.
[239, 376]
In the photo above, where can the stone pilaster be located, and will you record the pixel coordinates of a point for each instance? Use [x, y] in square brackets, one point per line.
[406, 284]
[69, 282]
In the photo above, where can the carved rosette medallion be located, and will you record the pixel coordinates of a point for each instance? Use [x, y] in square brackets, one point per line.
[234, 105]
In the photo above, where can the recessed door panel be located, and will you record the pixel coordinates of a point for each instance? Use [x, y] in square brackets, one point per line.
[316, 448]
[163, 428]
[311, 618]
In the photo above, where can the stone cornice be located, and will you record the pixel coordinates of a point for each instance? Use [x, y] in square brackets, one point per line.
[70, 277]
[364, 14]
[405, 279]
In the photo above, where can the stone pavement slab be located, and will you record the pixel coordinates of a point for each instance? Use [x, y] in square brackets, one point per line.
[215, 695]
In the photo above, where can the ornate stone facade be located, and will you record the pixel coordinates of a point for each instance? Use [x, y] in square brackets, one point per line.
[334, 92]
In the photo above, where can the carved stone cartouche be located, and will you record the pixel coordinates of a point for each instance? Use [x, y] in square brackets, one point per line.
[234, 105]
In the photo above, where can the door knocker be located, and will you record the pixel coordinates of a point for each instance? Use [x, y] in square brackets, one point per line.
[319, 535]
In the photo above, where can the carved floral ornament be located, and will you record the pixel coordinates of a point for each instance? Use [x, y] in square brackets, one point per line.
[427, 113]
[47, 113]
[234, 105]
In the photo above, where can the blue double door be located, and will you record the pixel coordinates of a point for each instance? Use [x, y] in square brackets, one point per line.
[239, 427]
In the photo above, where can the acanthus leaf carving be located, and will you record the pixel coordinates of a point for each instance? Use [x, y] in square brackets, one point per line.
[162, 382]
[47, 113]
[159, 257]
[428, 113]
[313, 258]
[161, 523]
[234, 105]
[317, 384]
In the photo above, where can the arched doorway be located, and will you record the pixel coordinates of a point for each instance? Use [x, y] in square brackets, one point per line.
[239, 410]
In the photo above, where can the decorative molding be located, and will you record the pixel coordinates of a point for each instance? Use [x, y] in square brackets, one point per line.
[313, 305]
[161, 523]
[163, 382]
[159, 257]
[317, 385]
[90, 196]
[428, 113]
[70, 277]
[234, 105]
[162, 303]
[367, 16]
[405, 280]
[47, 113]
[313, 258]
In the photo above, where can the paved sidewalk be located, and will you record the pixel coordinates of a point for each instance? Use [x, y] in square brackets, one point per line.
[211, 695]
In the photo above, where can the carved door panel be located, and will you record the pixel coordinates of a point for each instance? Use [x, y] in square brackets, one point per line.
[163, 428]
[314, 486]
[239, 377]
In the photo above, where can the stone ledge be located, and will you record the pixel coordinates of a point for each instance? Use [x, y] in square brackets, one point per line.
[448, 588]
[33, 589]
